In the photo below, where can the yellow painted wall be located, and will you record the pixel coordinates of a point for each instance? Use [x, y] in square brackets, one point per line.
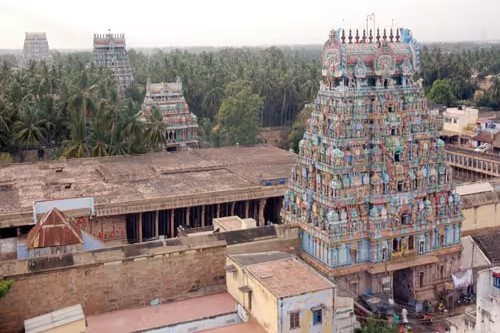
[305, 303]
[483, 216]
[264, 304]
[74, 327]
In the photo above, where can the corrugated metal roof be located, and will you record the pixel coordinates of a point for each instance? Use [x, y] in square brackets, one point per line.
[474, 188]
[54, 230]
[54, 319]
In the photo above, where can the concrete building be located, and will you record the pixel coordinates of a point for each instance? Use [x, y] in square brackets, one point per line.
[459, 124]
[138, 198]
[67, 320]
[486, 318]
[488, 301]
[181, 130]
[282, 293]
[480, 207]
[371, 190]
[36, 48]
[110, 51]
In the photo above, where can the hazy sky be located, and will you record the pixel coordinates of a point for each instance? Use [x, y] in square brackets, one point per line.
[71, 23]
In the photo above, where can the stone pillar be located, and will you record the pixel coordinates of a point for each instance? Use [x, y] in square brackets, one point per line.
[262, 204]
[247, 205]
[202, 216]
[140, 227]
[188, 215]
[218, 211]
[157, 213]
[172, 233]
[232, 207]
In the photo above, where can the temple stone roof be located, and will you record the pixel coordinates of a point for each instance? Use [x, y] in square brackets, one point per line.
[125, 179]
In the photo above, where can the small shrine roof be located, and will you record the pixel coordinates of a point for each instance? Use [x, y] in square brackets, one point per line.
[54, 230]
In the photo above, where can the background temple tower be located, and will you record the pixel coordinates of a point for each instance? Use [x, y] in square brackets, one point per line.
[181, 124]
[36, 48]
[109, 51]
[371, 190]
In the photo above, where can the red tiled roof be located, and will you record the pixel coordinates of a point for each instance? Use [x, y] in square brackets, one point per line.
[484, 137]
[496, 142]
[54, 230]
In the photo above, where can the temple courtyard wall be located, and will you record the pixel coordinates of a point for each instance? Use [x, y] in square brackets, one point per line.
[132, 275]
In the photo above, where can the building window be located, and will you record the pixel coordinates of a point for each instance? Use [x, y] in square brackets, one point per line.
[294, 320]
[397, 157]
[421, 279]
[384, 253]
[405, 218]
[441, 271]
[411, 242]
[400, 186]
[496, 282]
[317, 317]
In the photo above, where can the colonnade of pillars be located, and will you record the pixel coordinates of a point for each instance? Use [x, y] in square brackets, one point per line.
[489, 167]
[151, 225]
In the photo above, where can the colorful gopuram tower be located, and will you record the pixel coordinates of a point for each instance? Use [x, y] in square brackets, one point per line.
[371, 190]
[110, 51]
[36, 48]
[181, 124]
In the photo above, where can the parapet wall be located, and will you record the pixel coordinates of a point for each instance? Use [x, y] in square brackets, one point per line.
[128, 276]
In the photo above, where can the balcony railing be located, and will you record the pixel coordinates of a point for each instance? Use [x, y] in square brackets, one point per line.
[402, 255]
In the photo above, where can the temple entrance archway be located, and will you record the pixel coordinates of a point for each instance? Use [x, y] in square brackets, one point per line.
[403, 286]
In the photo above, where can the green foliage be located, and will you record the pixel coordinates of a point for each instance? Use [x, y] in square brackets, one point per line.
[299, 127]
[5, 285]
[238, 116]
[440, 93]
[375, 325]
[462, 66]
[286, 79]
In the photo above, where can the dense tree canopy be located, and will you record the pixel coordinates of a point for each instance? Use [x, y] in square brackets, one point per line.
[238, 116]
[462, 66]
[440, 93]
[73, 105]
[299, 127]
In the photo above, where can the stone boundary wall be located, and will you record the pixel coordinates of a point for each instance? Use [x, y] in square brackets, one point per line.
[128, 276]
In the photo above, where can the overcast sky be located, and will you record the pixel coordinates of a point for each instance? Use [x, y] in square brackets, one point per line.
[152, 23]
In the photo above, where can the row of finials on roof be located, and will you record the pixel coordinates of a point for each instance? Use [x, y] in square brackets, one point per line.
[368, 39]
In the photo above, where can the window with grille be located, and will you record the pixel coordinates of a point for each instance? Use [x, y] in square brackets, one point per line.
[294, 320]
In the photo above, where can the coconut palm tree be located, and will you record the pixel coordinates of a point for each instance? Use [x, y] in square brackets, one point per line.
[30, 127]
[155, 130]
[132, 127]
[77, 146]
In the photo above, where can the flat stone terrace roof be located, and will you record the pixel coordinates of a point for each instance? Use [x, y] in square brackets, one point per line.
[123, 181]
[133, 320]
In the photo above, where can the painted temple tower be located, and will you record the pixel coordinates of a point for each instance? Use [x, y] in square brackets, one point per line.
[181, 124]
[36, 48]
[110, 51]
[371, 191]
